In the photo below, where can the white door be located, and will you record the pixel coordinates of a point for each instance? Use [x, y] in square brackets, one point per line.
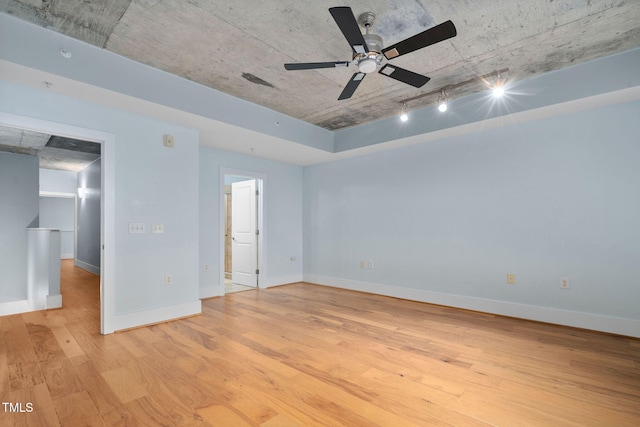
[244, 238]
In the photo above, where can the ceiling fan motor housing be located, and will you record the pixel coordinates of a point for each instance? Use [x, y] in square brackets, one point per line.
[368, 63]
[374, 42]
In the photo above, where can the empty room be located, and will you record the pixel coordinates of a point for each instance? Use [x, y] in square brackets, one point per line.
[278, 213]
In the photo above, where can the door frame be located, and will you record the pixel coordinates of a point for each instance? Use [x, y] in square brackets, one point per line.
[261, 186]
[107, 201]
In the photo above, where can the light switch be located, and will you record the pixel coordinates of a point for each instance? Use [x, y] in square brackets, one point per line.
[157, 228]
[137, 228]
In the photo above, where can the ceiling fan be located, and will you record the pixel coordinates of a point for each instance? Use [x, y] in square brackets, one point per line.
[368, 50]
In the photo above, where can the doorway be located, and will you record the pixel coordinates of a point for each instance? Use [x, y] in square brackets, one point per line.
[242, 224]
[106, 200]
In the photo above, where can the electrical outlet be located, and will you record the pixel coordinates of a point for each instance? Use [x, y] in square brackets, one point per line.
[564, 283]
[157, 228]
[168, 141]
[363, 264]
[370, 265]
[168, 280]
[205, 267]
[511, 279]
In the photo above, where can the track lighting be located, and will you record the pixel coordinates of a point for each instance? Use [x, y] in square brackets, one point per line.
[442, 102]
[404, 116]
[494, 81]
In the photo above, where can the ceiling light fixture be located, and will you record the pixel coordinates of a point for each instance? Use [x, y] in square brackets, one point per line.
[404, 116]
[66, 53]
[442, 102]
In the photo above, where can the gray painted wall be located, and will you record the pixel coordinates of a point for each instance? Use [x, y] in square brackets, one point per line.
[230, 179]
[543, 200]
[88, 216]
[58, 181]
[58, 212]
[18, 210]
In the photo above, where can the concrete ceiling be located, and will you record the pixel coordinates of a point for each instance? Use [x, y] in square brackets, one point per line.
[240, 47]
[54, 152]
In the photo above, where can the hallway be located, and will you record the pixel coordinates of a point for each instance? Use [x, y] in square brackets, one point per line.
[80, 291]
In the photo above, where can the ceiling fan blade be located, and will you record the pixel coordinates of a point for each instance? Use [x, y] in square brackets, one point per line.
[433, 35]
[314, 65]
[351, 87]
[404, 76]
[349, 27]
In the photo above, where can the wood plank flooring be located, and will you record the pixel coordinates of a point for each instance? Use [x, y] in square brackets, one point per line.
[305, 355]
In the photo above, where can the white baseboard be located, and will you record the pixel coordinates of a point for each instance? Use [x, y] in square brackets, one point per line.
[15, 307]
[54, 301]
[576, 319]
[156, 315]
[86, 266]
[211, 291]
[279, 281]
[66, 256]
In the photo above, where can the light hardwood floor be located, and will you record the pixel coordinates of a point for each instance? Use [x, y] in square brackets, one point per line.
[310, 355]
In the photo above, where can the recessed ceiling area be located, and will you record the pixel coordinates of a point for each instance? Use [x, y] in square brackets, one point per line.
[240, 48]
[54, 152]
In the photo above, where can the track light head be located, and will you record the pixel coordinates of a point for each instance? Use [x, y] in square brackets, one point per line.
[442, 102]
[404, 116]
[498, 86]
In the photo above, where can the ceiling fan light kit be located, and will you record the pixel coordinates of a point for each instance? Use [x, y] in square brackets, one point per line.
[368, 64]
[368, 50]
